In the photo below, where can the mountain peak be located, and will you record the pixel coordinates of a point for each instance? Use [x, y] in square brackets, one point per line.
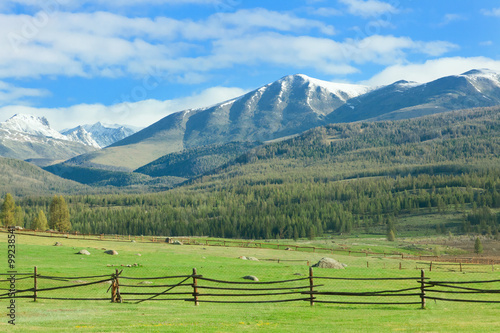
[344, 91]
[480, 72]
[29, 124]
[26, 118]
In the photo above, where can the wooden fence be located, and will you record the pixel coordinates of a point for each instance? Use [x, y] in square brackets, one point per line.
[198, 289]
[341, 249]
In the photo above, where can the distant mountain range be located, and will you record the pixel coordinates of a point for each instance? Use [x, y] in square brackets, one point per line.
[189, 143]
[290, 106]
[31, 138]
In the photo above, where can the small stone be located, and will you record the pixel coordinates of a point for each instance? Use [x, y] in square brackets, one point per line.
[253, 259]
[146, 282]
[299, 274]
[177, 242]
[85, 252]
[138, 254]
[251, 277]
[111, 252]
[243, 258]
[57, 244]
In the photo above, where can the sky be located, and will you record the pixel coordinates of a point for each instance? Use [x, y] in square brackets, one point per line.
[136, 61]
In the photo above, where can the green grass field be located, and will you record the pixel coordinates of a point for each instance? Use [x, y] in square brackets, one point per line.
[160, 259]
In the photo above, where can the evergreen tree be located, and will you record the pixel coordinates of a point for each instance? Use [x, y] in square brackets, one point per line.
[40, 221]
[391, 237]
[59, 214]
[478, 246]
[8, 214]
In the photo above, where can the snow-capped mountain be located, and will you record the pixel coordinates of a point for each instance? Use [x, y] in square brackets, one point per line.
[31, 125]
[285, 107]
[100, 135]
[403, 99]
[79, 134]
[29, 137]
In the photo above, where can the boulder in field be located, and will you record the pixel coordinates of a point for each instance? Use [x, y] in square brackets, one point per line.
[251, 277]
[329, 263]
[111, 252]
[85, 252]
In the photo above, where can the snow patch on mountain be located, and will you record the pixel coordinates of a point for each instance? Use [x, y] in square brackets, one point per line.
[31, 125]
[344, 91]
[79, 134]
[101, 135]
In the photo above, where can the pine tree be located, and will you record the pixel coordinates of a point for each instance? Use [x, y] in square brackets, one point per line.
[40, 221]
[391, 237]
[8, 214]
[478, 246]
[59, 214]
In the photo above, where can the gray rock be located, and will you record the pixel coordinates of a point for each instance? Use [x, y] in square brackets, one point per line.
[251, 277]
[177, 242]
[85, 252]
[146, 282]
[329, 263]
[57, 244]
[253, 259]
[111, 252]
[138, 254]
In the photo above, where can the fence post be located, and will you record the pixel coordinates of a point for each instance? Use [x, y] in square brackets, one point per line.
[422, 288]
[430, 267]
[311, 286]
[195, 287]
[460, 266]
[35, 284]
[115, 290]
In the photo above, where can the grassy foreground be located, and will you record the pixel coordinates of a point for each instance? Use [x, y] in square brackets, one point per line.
[219, 262]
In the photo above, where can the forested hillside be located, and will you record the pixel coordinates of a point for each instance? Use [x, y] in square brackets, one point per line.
[22, 178]
[363, 177]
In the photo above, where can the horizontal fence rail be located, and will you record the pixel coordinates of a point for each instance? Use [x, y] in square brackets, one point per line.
[198, 289]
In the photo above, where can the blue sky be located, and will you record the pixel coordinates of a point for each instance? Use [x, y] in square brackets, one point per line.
[134, 62]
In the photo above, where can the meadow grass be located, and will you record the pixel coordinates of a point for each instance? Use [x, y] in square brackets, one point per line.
[159, 259]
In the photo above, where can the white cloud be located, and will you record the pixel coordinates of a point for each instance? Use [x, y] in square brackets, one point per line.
[322, 54]
[76, 4]
[109, 45]
[105, 44]
[143, 113]
[10, 94]
[491, 12]
[369, 8]
[486, 43]
[324, 11]
[431, 70]
[449, 18]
